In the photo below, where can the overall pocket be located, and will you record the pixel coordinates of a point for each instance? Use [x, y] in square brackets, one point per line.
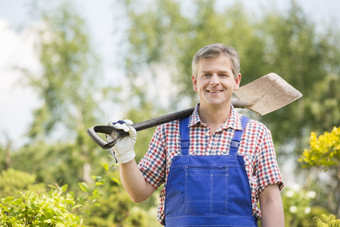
[206, 190]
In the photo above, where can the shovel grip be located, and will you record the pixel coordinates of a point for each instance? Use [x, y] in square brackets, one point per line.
[107, 130]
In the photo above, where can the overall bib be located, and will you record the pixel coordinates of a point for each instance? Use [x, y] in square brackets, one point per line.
[211, 190]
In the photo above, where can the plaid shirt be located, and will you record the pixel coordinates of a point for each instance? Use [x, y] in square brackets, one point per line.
[256, 147]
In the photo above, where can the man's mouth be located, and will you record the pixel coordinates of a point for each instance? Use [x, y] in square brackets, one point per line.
[214, 91]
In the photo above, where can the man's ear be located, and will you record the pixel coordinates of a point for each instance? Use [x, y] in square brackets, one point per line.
[194, 82]
[238, 82]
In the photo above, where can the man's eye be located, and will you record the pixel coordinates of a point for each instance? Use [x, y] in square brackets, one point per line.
[224, 75]
[206, 75]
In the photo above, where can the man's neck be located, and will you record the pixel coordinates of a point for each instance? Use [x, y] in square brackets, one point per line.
[214, 117]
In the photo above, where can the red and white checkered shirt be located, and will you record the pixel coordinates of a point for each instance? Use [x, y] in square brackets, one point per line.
[256, 147]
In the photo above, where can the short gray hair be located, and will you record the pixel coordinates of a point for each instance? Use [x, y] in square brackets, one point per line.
[213, 51]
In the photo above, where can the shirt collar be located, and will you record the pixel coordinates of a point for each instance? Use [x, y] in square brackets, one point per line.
[233, 121]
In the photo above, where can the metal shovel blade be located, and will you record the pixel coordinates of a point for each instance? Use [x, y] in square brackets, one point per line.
[268, 93]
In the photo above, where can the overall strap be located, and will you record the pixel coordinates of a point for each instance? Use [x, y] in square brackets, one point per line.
[184, 131]
[235, 142]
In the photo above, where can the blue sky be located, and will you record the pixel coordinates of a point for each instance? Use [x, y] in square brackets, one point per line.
[17, 102]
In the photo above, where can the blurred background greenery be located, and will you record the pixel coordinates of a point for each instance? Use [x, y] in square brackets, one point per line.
[156, 41]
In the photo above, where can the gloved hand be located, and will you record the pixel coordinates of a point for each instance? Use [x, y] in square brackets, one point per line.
[123, 149]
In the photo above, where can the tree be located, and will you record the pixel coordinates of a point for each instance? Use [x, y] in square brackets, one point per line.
[163, 37]
[305, 58]
[69, 88]
[69, 75]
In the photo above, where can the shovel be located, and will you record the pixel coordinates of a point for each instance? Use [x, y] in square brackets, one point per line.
[262, 96]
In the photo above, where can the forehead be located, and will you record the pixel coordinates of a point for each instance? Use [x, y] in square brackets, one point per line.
[220, 63]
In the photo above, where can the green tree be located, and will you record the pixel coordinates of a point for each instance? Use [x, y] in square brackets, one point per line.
[305, 58]
[163, 36]
[69, 75]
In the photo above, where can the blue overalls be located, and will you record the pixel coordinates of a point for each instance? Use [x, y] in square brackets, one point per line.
[211, 190]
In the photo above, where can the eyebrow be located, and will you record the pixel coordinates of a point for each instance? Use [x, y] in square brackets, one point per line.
[223, 71]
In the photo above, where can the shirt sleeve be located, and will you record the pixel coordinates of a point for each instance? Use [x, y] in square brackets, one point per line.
[153, 164]
[268, 170]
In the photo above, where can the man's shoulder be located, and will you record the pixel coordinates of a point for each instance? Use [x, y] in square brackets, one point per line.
[256, 125]
[168, 126]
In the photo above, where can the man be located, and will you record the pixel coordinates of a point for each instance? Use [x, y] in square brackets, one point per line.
[215, 165]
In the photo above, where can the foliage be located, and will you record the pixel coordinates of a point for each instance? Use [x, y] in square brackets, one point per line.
[13, 181]
[298, 207]
[69, 75]
[163, 37]
[327, 221]
[107, 204]
[324, 153]
[297, 52]
[33, 209]
[60, 163]
[69, 72]
[324, 150]
[324, 104]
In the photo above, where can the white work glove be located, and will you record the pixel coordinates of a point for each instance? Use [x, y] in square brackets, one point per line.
[123, 150]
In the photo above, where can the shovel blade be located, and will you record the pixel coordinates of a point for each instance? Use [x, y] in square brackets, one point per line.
[267, 94]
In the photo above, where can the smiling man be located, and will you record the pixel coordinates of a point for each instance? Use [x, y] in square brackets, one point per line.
[214, 166]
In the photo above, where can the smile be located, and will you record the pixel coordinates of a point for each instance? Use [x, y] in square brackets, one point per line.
[215, 91]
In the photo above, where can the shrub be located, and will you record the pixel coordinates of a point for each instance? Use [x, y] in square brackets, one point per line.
[32, 209]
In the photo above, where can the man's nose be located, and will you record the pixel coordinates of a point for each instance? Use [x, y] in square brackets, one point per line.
[214, 80]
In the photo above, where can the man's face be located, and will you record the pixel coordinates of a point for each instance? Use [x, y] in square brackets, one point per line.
[215, 82]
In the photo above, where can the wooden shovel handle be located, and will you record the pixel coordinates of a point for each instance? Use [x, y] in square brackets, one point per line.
[116, 134]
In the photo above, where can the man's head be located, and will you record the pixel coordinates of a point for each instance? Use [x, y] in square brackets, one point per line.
[216, 76]
[213, 51]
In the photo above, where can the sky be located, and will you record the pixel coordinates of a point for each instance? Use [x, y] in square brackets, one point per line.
[16, 49]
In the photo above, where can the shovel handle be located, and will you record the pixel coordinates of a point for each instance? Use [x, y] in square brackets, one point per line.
[116, 134]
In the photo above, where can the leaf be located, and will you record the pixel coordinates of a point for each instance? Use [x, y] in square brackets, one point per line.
[115, 181]
[106, 166]
[83, 186]
[99, 183]
[64, 188]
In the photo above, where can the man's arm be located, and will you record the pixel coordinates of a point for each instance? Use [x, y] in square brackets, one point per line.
[271, 207]
[134, 182]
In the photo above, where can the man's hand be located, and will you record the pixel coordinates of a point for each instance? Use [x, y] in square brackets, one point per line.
[123, 149]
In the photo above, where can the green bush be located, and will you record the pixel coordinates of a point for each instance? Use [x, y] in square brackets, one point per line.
[32, 209]
[13, 181]
[327, 221]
